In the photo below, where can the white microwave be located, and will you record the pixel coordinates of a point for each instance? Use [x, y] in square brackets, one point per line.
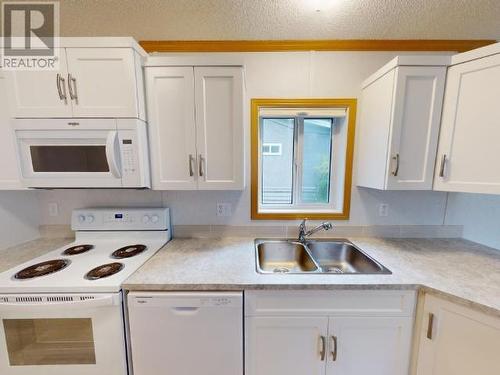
[83, 153]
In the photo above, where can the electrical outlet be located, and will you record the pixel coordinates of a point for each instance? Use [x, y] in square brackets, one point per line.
[224, 209]
[383, 209]
[53, 209]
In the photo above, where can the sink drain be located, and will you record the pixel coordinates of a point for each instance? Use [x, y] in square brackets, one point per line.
[281, 270]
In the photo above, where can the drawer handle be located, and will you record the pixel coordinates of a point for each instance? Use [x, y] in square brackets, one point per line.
[322, 352]
[334, 346]
[430, 325]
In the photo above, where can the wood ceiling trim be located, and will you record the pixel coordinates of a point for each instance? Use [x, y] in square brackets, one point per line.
[311, 45]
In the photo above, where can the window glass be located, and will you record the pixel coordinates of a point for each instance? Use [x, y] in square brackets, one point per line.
[316, 160]
[32, 342]
[277, 170]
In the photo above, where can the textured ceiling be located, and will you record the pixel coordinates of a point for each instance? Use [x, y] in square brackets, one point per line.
[282, 19]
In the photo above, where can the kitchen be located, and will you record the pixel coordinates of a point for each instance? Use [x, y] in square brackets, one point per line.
[155, 186]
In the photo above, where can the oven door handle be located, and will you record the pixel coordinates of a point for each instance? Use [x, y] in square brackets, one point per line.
[82, 304]
[112, 153]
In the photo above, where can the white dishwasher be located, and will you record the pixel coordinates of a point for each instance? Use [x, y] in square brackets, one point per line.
[174, 333]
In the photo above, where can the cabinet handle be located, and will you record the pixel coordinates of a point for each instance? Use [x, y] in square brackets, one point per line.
[191, 159]
[443, 165]
[65, 96]
[62, 94]
[396, 170]
[430, 325]
[73, 94]
[322, 352]
[202, 160]
[334, 346]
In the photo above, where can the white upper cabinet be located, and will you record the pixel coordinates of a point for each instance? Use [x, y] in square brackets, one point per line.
[172, 133]
[102, 82]
[219, 127]
[456, 340]
[468, 142]
[9, 167]
[41, 93]
[90, 82]
[399, 124]
[196, 127]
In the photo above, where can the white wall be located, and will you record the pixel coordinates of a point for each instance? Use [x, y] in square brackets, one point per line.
[479, 214]
[279, 75]
[19, 217]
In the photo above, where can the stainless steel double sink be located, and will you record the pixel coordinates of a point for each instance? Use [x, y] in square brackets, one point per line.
[314, 257]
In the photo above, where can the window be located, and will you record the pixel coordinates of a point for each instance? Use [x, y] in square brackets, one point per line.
[302, 158]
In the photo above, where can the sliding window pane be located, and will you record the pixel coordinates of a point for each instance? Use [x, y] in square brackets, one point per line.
[277, 167]
[316, 160]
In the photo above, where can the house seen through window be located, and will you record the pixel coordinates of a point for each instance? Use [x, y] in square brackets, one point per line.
[302, 160]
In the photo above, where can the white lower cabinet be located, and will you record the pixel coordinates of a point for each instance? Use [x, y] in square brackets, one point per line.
[341, 333]
[456, 340]
[286, 345]
[371, 345]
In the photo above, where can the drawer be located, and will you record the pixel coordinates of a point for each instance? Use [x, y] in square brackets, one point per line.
[331, 303]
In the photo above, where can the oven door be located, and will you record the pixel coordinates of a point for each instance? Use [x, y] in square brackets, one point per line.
[58, 153]
[62, 335]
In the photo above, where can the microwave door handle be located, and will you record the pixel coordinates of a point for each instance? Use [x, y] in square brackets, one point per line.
[85, 304]
[112, 153]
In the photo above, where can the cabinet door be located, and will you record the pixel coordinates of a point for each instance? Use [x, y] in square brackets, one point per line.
[457, 341]
[219, 127]
[285, 345]
[372, 345]
[102, 82]
[41, 94]
[468, 143]
[418, 98]
[9, 167]
[172, 135]
[374, 130]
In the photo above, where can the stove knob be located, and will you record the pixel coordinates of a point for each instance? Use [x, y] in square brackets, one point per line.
[90, 218]
[81, 218]
[154, 218]
[145, 219]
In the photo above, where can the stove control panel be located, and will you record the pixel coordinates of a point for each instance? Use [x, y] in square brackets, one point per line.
[106, 219]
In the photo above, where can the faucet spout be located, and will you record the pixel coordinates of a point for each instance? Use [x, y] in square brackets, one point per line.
[303, 233]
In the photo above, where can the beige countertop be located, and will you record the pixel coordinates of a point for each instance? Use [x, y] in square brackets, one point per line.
[456, 269]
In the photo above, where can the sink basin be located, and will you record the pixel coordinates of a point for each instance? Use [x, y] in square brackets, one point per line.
[283, 257]
[314, 257]
[343, 257]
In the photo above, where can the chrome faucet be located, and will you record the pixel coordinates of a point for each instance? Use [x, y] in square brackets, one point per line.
[303, 233]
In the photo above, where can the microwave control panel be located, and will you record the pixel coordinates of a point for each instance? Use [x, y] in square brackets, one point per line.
[128, 156]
